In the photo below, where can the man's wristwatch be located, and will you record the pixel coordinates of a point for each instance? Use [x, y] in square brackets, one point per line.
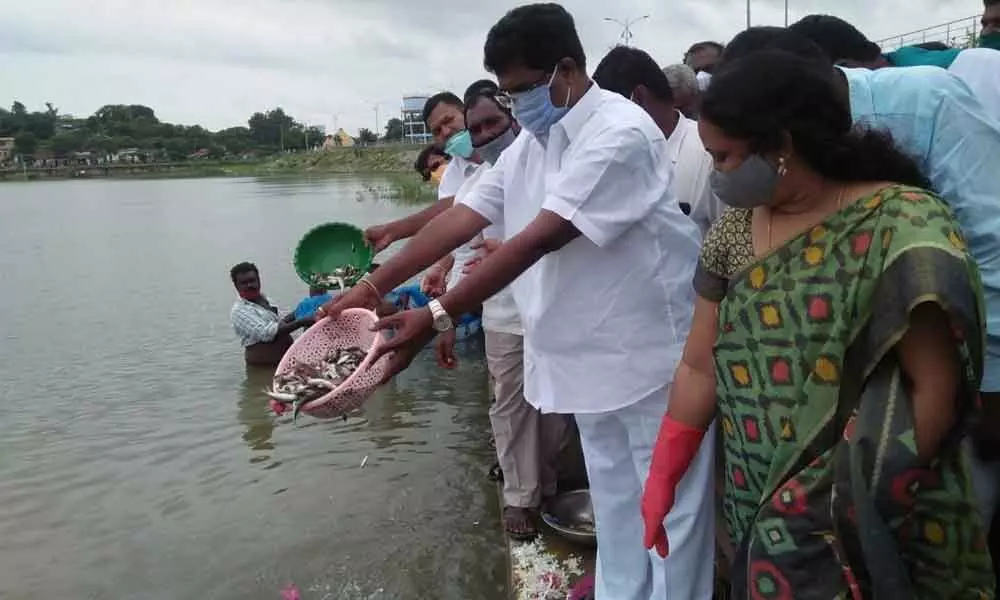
[442, 321]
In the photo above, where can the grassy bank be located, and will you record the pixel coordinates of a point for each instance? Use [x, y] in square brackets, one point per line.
[376, 159]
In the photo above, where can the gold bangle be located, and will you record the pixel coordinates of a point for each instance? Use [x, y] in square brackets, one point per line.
[371, 286]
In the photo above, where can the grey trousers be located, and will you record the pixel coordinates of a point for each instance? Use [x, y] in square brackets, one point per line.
[528, 442]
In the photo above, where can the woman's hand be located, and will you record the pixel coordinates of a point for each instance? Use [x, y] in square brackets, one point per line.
[413, 329]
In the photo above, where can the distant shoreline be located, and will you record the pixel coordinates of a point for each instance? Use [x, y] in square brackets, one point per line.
[394, 162]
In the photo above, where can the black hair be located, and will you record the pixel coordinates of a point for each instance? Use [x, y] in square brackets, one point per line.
[535, 36]
[473, 100]
[934, 45]
[446, 98]
[704, 46]
[989, 3]
[625, 68]
[420, 165]
[756, 39]
[765, 95]
[838, 38]
[243, 267]
[478, 88]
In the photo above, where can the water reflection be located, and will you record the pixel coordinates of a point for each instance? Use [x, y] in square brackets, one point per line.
[126, 475]
[253, 411]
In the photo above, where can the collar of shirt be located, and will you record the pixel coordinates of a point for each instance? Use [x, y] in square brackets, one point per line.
[268, 310]
[860, 91]
[574, 120]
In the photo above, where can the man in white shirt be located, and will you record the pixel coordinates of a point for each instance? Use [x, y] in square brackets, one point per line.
[528, 442]
[444, 115]
[636, 76]
[601, 259]
[684, 85]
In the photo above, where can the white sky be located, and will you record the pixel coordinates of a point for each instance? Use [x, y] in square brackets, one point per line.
[327, 62]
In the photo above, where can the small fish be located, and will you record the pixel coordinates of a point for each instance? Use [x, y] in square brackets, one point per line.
[297, 408]
[280, 397]
[322, 383]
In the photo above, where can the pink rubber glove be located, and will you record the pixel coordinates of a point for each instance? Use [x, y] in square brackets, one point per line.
[675, 449]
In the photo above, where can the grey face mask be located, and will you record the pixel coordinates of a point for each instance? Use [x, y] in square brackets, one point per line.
[491, 150]
[749, 185]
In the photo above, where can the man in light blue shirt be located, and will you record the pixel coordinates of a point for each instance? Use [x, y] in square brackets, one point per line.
[933, 117]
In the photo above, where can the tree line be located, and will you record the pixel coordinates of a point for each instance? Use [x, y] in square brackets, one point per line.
[117, 127]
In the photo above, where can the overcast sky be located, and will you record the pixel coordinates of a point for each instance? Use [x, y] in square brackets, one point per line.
[327, 62]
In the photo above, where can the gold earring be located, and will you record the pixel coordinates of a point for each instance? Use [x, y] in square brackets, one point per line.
[782, 169]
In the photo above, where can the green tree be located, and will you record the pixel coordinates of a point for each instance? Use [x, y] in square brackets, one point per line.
[25, 143]
[65, 142]
[367, 136]
[393, 130]
[269, 129]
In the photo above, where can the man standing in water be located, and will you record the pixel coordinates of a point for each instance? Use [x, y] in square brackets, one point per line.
[265, 337]
[601, 260]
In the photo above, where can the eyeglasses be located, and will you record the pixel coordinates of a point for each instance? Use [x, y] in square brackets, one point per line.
[508, 98]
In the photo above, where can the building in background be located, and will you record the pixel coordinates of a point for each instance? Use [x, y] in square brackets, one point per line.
[6, 149]
[341, 139]
[414, 129]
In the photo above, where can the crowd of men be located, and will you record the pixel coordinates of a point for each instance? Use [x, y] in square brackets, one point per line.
[573, 205]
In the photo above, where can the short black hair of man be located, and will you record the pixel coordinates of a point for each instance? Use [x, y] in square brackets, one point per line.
[772, 38]
[534, 36]
[480, 88]
[838, 38]
[704, 46]
[446, 98]
[243, 267]
[625, 68]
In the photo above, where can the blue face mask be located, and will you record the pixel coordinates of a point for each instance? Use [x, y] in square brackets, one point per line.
[534, 110]
[459, 144]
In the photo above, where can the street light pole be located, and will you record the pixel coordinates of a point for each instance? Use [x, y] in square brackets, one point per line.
[786, 13]
[627, 27]
[748, 14]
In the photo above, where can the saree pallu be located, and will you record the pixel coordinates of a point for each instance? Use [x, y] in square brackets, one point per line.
[825, 495]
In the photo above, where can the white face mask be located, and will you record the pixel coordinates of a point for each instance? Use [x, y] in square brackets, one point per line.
[704, 78]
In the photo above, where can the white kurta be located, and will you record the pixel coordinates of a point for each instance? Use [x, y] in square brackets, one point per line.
[605, 321]
[692, 169]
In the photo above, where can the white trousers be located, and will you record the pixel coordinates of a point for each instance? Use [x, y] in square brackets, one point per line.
[618, 448]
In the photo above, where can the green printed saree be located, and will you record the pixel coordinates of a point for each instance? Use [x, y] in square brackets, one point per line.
[825, 496]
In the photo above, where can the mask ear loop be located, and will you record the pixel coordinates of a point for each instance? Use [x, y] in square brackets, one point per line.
[569, 90]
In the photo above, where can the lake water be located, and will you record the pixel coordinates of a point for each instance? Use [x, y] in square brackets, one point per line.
[137, 456]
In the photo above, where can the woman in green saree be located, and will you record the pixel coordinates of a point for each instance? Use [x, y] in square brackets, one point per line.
[838, 336]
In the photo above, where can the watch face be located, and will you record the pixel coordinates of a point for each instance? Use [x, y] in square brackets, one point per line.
[442, 323]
